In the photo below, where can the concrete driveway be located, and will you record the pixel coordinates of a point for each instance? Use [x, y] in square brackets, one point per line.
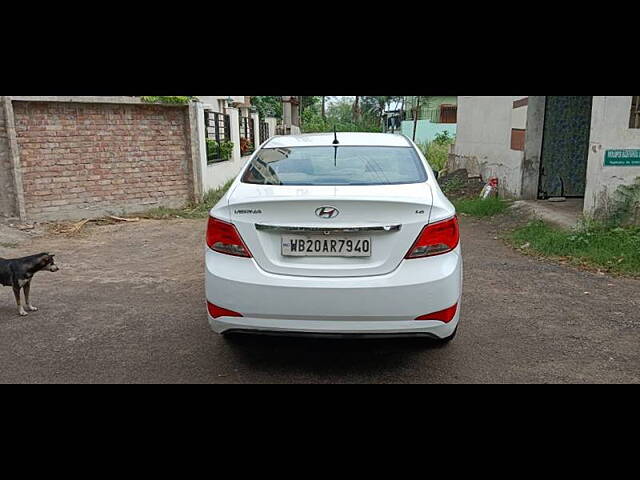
[128, 306]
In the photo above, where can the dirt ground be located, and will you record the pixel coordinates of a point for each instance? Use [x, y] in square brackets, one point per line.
[128, 306]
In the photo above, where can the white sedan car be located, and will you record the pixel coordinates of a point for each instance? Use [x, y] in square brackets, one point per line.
[335, 234]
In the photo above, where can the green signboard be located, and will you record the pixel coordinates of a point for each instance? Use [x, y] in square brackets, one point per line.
[622, 158]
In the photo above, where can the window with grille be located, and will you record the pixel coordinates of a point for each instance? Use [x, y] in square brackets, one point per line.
[634, 122]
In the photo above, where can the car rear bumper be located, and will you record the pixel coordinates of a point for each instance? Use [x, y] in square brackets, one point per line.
[372, 305]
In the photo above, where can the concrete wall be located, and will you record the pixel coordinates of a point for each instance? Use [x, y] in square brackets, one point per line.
[483, 142]
[609, 130]
[519, 115]
[533, 147]
[7, 191]
[217, 174]
[81, 160]
[427, 131]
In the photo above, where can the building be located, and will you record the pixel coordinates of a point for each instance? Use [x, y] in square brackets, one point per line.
[540, 147]
[435, 115]
[233, 130]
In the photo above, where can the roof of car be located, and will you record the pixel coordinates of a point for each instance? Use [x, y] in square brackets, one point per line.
[345, 139]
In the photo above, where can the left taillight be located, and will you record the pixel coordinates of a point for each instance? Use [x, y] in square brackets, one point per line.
[436, 239]
[223, 237]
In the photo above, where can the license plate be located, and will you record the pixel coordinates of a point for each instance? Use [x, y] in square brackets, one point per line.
[325, 246]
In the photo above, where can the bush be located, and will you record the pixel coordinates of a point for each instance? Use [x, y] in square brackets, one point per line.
[172, 100]
[437, 151]
[217, 152]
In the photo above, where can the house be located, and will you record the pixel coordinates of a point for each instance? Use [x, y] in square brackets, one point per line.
[393, 116]
[426, 117]
[542, 147]
[232, 130]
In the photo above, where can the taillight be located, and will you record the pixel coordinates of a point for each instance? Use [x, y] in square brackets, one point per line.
[435, 239]
[216, 311]
[445, 315]
[224, 238]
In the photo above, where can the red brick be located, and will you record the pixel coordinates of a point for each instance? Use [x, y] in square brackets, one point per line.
[107, 154]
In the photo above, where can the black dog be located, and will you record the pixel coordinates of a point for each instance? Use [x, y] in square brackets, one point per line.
[17, 273]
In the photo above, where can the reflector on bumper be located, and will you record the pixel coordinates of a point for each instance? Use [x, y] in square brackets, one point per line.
[445, 315]
[216, 311]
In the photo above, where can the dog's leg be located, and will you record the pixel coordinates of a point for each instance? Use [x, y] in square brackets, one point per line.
[27, 290]
[16, 292]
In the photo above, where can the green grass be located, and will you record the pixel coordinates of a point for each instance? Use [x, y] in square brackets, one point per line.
[8, 245]
[199, 210]
[478, 207]
[615, 250]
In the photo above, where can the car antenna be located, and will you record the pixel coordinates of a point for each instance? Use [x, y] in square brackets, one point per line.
[335, 146]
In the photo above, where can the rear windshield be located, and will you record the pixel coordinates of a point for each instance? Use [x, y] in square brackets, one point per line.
[335, 166]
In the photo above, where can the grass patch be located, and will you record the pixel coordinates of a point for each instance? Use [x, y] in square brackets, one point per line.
[615, 250]
[198, 210]
[478, 207]
[8, 245]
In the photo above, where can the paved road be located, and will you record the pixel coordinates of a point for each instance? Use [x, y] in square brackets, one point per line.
[127, 306]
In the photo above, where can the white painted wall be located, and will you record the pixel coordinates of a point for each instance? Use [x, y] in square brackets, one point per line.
[609, 130]
[483, 142]
[519, 116]
[217, 174]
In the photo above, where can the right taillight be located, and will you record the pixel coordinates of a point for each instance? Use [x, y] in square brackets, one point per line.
[435, 239]
[223, 237]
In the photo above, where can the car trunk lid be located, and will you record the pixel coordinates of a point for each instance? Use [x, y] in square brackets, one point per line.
[389, 216]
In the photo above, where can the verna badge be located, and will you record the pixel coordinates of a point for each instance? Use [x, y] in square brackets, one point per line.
[327, 212]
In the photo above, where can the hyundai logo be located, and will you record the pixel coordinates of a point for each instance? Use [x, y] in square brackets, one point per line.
[327, 212]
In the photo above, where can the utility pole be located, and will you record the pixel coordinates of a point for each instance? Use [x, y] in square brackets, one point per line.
[415, 119]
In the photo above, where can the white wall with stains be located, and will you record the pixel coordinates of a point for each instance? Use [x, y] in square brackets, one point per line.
[609, 130]
[483, 142]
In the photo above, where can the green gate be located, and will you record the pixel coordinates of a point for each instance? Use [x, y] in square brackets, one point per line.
[565, 147]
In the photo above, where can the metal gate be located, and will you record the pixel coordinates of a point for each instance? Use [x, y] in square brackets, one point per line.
[217, 130]
[247, 138]
[264, 131]
[565, 147]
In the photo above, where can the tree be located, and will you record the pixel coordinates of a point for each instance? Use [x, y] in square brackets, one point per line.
[338, 115]
[268, 106]
[376, 106]
[357, 113]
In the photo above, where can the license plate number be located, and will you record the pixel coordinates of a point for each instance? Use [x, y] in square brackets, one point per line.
[325, 246]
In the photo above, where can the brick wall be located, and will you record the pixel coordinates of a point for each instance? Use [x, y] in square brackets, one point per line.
[85, 160]
[7, 198]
